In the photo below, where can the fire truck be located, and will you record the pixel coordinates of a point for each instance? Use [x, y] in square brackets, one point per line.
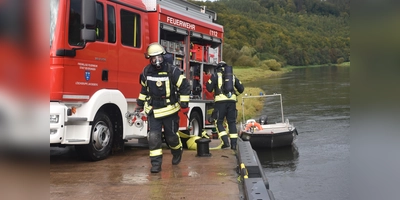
[97, 54]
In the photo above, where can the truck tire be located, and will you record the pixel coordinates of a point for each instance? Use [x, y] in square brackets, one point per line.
[101, 138]
[196, 124]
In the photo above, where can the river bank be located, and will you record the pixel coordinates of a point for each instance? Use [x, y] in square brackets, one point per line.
[246, 75]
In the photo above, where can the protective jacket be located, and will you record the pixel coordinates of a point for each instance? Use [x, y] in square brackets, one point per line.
[215, 83]
[162, 89]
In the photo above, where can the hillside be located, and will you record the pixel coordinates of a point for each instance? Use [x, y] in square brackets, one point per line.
[275, 33]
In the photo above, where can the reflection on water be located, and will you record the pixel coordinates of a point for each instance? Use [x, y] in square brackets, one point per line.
[285, 158]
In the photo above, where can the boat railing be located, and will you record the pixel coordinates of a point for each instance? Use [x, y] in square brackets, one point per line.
[262, 96]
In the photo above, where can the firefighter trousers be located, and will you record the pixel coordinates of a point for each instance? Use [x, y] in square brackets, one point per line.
[227, 109]
[171, 125]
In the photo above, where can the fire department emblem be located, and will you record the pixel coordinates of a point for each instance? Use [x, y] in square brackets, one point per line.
[87, 75]
[159, 83]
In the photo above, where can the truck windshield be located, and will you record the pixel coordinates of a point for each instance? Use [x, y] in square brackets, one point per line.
[53, 18]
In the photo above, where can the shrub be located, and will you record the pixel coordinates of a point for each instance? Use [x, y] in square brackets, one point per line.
[340, 60]
[252, 107]
[244, 60]
[264, 66]
[273, 64]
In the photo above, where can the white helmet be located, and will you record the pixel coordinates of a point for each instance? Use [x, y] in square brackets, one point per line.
[155, 53]
[221, 65]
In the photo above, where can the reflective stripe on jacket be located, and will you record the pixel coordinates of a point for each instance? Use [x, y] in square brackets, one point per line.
[160, 88]
[215, 84]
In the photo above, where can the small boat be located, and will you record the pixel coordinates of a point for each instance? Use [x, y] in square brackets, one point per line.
[264, 134]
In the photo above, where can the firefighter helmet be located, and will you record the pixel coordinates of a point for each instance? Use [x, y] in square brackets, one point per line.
[155, 53]
[154, 49]
[220, 66]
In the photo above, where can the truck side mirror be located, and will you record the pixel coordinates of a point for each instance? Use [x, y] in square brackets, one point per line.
[88, 32]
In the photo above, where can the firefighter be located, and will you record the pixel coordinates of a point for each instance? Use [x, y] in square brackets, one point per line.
[225, 97]
[161, 83]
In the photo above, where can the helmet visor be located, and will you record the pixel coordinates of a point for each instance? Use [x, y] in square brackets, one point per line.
[156, 60]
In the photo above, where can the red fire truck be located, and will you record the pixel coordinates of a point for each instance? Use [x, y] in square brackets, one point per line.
[96, 55]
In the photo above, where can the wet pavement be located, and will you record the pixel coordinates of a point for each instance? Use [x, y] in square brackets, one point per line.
[126, 175]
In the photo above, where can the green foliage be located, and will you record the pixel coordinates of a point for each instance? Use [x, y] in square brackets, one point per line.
[245, 60]
[340, 60]
[230, 54]
[251, 106]
[293, 32]
[273, 65]
[248, 51]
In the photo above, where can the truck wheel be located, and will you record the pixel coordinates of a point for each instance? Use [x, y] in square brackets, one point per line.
[101, 136]
[196, 124]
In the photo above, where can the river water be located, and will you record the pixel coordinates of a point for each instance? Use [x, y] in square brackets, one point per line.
[316, 101]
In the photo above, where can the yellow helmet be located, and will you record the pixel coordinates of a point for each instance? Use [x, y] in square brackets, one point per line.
[154, 49]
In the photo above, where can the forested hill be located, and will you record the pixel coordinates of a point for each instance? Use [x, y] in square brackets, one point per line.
[293, 32]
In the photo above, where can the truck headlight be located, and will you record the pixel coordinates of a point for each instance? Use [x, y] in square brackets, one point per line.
[54, 118]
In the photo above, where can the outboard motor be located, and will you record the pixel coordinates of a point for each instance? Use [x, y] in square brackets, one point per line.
[263, 119]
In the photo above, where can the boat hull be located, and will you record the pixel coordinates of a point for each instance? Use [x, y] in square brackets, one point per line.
[270, 140]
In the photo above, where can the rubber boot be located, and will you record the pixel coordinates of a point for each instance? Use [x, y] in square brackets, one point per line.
[233, 143]
[156, 162]
[176, 156]
[225, 141]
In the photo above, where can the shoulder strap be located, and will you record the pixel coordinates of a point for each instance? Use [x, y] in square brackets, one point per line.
[171, 69]
[174, 89]
[144, 72]
[219, 90]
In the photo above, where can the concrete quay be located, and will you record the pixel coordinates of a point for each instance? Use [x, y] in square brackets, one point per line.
[126, 175]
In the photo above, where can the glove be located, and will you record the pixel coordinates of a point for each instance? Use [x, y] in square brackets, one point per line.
[138, 108]
[184, 104]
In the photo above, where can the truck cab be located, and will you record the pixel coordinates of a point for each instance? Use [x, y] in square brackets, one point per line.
[97, 54]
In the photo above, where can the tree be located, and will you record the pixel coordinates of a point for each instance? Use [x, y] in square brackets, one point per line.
[298, 32]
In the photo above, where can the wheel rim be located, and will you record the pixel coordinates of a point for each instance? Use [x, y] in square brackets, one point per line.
[100, 136]
[195, 127]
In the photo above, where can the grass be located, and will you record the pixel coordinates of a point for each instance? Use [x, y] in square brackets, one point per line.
[345, 64]
[252, 107]
[251, 74]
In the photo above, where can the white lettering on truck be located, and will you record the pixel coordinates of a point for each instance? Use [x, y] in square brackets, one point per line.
[181, 23]
[87, 66]
[213, 33]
